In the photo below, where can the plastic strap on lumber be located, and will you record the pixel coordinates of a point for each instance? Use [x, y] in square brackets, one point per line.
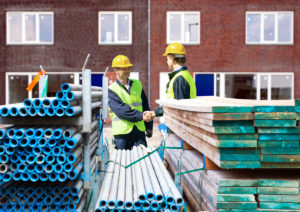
[90, 200]
[194, 170]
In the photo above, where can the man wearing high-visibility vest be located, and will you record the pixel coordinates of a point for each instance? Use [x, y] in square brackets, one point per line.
[181, 84]
[128, 107]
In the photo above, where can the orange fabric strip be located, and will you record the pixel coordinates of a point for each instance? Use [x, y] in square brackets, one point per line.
[35, 81]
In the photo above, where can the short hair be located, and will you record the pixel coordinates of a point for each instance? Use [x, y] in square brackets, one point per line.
[180, 59]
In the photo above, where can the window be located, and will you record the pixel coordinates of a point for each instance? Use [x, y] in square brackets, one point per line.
[269, 27]
[259, 86]
[29, 28]
[115, 28]
[183, 27]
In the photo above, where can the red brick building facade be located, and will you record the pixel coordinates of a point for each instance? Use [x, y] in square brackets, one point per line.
[222, 46]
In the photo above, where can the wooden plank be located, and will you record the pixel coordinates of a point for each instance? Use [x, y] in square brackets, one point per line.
[239, 151]
[280, 151]
[278, 183]
[277, 190]
[275, 123]
[240, 157]
[274, 205]
[297, 109]
[236, 205]
[298, 116]
[238, 182]
[271, 130]
[280, 158]
[240, 164]
[275, 115]
[279, 137]
[279, 198]
[276, 165]
[237, 190]
[272, 210]
[269, 109]
[236, 143]
[232, 210]
[232, 123]
[283, 144]
[234, 130]
[229, 109]
[297, 102]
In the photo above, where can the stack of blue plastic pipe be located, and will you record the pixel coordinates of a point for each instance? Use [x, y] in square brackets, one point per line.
[24, 197]
[66, 103]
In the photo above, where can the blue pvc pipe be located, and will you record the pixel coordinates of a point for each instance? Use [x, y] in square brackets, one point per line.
[42, 142]
[56, 151]
[10, 132]
[47, 150]
[13, 142]
[29, 132]
[30, 168]
[21, 192]
[34, 177]
[44, 177]
[61, 159]
[27, 103]
[31, 159]
[163, 205]
[29, 191]
[14, 158]
[71, 207]
[12, 191]
[36, 103]
[50, 159]
[39, 168]
[24, 142]
[66, 200]
[40, 159]
[69, 95]
[4, 112]
[38, 133]
[74, 191]
[65, 191]
[35, 208]
[50, 111]
[48, 200]
[137, 205]
[65, 103]
[6, 177]
[42, 111]
[49, 168]
[154, 206]
[4, 158]
[19, 133]
[75, 172]
[62, 177]
[10, 150]
[3, 133]
[55, 103]
[2, 149]
[57, 133]
[120, 204]
[13, 167]
[111, 204]
[71, 158]
[65, 87]
[23, 111]
[174, 208]
[58, 168]
[32, 111]
[53, 177]
[102, 204]
[22, 158]
[13, 111]
[66, 150]
[5, 141]
[70, 111]
[46, 103]
[68, 167]
[9, 207]
[59, 112]
[37, 150]
[59, 95]
[52, 142]
[61, 143]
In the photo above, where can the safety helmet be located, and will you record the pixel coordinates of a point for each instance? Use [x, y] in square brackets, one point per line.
[175, 48]
[121, 61]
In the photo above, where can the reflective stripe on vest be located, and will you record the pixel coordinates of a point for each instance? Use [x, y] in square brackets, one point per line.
[134, 101]
[188, 77]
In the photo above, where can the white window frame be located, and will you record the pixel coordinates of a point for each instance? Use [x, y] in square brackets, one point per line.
[275, 42]
[258, 75]
[182, 13]
[116, 42]
[24, 42]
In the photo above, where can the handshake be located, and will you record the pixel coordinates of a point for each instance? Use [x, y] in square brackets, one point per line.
[150, 115]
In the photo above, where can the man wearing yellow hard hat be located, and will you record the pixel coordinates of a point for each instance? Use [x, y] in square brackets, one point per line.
[128, 107]
[181, 84]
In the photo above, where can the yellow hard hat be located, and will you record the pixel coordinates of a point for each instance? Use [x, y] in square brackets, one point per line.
[175, 48]
[121, 61]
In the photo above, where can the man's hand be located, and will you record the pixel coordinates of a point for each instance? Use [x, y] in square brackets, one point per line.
[148, 116]
[149, 133]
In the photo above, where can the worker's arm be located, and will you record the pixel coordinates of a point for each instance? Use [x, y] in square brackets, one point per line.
[181, 88]
[122, 110]
[149, 125]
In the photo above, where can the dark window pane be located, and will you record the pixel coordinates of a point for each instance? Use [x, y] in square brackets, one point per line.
[263, 87]
[240, 86]
[17, 88]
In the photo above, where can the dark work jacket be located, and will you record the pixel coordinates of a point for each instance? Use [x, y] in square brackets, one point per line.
[124, 111]
[181, 87]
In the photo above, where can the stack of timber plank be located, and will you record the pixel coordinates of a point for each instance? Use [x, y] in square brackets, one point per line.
[234, 190]
[237, 133]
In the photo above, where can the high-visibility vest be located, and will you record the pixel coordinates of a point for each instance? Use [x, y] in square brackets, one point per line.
[134, 100]
[188, 77]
